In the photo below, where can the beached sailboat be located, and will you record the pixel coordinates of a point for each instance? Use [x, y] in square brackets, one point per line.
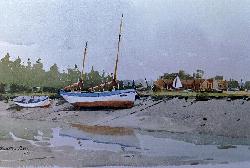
[106, 99]
[177, 83]
[32, 101]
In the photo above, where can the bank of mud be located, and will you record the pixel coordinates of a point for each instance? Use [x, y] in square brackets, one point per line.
[127, 136]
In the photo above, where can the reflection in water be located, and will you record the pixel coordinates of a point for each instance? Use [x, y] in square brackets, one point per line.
[62, 140]
[141, 142]
[124, 140]
[171, 147]
[21, 139]
[104, 130]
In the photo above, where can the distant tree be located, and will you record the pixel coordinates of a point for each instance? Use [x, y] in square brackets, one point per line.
[53, 77]
[27, 74]
[103, 77]
[20, 77]
[233, 84]
[17, 72]
[6, 59]
[73, 75]
[2, 88]
[199, 74]
[247, 85]
[5, 69]
[218, 77]
[94, 77]
[38, 74]
[169, 76]
[182, 75]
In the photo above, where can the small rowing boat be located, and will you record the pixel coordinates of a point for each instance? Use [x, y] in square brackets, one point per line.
[32, 101]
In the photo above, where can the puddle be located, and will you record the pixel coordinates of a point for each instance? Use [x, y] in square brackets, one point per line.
[104, 130]
[111, 142]
[61, 139]
[95, 138]
[80, 141]
[171, 147]
[15, 138]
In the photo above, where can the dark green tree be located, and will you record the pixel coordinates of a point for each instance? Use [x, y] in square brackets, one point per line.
[233, 84]
[20, 77]
[218, 77]
[247, 85]
[199, 74]
[53, 77]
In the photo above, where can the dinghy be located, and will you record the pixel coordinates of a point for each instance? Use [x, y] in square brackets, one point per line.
[32, 101]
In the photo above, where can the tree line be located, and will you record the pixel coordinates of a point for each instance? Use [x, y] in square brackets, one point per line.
[183, 75]
[23, 77]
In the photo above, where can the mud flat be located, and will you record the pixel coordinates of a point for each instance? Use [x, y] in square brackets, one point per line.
[156, 132]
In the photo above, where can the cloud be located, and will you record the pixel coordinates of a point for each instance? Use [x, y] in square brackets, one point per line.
[17, 43]
[159, 35]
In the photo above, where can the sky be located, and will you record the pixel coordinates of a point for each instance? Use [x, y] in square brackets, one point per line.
[158, 35]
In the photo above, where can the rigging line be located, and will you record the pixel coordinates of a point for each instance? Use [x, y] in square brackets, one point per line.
[158, 102]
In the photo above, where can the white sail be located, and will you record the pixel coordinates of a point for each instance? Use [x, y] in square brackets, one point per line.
[177, 83]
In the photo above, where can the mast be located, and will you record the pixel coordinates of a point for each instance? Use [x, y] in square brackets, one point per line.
[118, 50]
[84, 57]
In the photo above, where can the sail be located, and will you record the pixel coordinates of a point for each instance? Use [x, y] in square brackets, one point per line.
[177, 83]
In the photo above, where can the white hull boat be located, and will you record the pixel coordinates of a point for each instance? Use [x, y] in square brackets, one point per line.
[32, 101]
[108, 99]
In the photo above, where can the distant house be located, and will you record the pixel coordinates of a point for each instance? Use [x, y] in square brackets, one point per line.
[194, 84]
[167, 84]
[187, 84]
[207, 85]
[163, 84]
[197, 84]
[220, 85]
[213, 84]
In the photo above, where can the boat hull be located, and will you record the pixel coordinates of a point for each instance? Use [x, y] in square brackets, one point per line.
[112, 99]
[105, 104]
[44, 103]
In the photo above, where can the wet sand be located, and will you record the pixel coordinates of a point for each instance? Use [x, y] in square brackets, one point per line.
[153, 133]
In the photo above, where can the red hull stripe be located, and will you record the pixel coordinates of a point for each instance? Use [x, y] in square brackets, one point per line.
[115, 104]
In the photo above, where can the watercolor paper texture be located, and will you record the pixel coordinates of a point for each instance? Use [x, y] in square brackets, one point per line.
[156, 83]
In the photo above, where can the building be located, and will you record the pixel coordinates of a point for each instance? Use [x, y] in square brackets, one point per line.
[207, 85]
[162, 84]
[193, 84]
